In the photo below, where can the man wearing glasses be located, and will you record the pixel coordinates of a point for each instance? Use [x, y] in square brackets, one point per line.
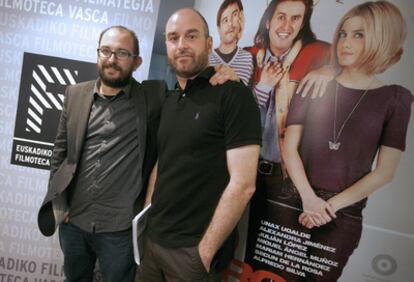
[104, 149]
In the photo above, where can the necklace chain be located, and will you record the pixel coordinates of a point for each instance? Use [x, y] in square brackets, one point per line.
[334, 145]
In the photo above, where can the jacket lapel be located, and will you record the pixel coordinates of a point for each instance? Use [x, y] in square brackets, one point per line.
[84, 104]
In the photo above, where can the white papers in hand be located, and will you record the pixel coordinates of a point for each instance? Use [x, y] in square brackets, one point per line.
[138, 227]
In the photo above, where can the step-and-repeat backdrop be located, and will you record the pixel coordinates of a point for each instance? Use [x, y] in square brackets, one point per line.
[46, 45]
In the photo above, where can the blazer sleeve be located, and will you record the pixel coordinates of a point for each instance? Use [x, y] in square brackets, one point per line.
[54, 207]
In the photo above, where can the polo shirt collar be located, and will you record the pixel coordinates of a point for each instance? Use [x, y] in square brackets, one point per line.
[203, 76]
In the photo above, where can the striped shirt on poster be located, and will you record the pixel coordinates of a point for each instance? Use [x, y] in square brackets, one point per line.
[242, 63]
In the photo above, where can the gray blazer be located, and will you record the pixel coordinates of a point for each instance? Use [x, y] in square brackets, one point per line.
[147, 98]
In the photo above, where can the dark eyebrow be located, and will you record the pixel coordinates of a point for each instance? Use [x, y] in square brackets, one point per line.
[193, 30]
[171, 33]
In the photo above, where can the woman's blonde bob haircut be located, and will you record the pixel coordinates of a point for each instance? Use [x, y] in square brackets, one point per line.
[385, 32]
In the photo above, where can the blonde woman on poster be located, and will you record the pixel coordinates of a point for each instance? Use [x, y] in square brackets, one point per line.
[331, 143]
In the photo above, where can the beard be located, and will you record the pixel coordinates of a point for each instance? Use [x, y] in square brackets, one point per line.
[190, 69]
[115, 82]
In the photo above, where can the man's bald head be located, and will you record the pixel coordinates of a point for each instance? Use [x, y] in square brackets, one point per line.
[188, 43]
[187, 12]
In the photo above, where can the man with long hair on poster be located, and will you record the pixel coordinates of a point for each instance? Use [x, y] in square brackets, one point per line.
[285, 51]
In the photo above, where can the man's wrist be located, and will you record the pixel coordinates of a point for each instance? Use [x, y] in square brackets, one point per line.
[204, 250]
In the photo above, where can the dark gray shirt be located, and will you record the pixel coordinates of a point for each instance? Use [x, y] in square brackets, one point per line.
[108, 182]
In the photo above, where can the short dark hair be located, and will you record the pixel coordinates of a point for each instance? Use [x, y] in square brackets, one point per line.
[262, 40]
[224, 6]
[132, 33]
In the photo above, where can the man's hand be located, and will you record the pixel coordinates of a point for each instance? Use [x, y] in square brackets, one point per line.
[271, 74]
[151, 185]
[319, 79]
[223, 74]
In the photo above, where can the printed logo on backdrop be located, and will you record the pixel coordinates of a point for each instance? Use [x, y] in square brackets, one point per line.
[42, 87]
[384, 264]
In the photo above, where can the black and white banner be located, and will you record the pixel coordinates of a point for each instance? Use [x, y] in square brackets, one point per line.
[42, 87]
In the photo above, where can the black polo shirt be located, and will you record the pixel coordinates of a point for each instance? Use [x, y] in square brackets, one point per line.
[198, 125]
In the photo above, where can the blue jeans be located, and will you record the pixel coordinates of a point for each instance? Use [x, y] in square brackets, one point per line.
[112, 249]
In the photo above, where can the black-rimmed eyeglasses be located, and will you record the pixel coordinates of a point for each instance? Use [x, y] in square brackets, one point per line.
[119, 54]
